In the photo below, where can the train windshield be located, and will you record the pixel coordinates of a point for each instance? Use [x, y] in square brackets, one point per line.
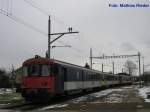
[25, 71]
[37, 70]
[33, 70]
[46, 70]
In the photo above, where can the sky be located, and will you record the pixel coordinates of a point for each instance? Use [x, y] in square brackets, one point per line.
[107, 30]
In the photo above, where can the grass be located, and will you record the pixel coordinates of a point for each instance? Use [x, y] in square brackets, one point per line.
[10, 98]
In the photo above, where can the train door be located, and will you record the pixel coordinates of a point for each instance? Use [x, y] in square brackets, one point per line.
[82, 79]
[82, 75]
[120, 79]
[60, 79]
[63, 77]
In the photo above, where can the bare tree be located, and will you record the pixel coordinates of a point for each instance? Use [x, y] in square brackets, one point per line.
[130, 67]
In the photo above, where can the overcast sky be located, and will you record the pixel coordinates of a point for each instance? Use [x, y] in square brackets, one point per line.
[106, 29]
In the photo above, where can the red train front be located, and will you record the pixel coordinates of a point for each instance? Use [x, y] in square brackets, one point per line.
[38, 78]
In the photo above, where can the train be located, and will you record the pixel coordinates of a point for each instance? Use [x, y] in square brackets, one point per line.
[47, 78]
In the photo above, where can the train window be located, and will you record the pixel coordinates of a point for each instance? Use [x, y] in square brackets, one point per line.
[45, 70]
[25, 71]
[64, 74]
[34, 70]
[78, 76]
[54, 69]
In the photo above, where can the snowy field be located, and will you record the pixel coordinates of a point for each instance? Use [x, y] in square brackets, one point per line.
[9, 96]
[143, 93]
[114, 96]
[100, 95]
[5, 90]
[127, 94]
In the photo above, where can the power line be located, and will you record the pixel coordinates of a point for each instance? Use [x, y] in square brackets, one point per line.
[19, 20]
[46, 13]
[36, 7]
[88, 43]
[115, 56]
[9, 7]
[73, 48]
[9, 14]
[6, 5]
[16, 19]
[4, 12]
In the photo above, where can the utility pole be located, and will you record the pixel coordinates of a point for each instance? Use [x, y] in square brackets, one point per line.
[120, 56]
[143, 70]
[139, 57]
[49, 38]
[143, 65]
[102, 67]
[58, 34]
[13, 76]
[113, 67]
[122, 70]
[91, 62]
[60, 46]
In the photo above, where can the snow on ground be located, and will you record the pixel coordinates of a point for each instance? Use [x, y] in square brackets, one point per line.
[53, 106]
[127, 87]
[4, 104]
[5, 90]
[143, 92]
[106, 92]
[112, 98]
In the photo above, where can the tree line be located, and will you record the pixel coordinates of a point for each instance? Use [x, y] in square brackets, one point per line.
[5, 81]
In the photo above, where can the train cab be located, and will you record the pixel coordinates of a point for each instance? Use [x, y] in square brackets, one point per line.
[38, 77]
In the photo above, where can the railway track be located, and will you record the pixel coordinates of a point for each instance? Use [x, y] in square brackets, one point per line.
[24, 106]
[16, 105]
[36, 105]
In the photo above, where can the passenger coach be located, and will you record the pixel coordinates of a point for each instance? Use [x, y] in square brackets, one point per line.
[44, 77]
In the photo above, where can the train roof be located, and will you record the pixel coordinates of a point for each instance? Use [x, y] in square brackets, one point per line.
[41, 60]
[125, 74]
[38, 60]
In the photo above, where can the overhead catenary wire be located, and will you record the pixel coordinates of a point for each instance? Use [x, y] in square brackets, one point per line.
[46, 13]
[6, 5]
[30, 2]
[19, 20]
[73, 48]
[3, 5]
[10, 6]
[82, 36]
[9, 14]
[36, 6]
